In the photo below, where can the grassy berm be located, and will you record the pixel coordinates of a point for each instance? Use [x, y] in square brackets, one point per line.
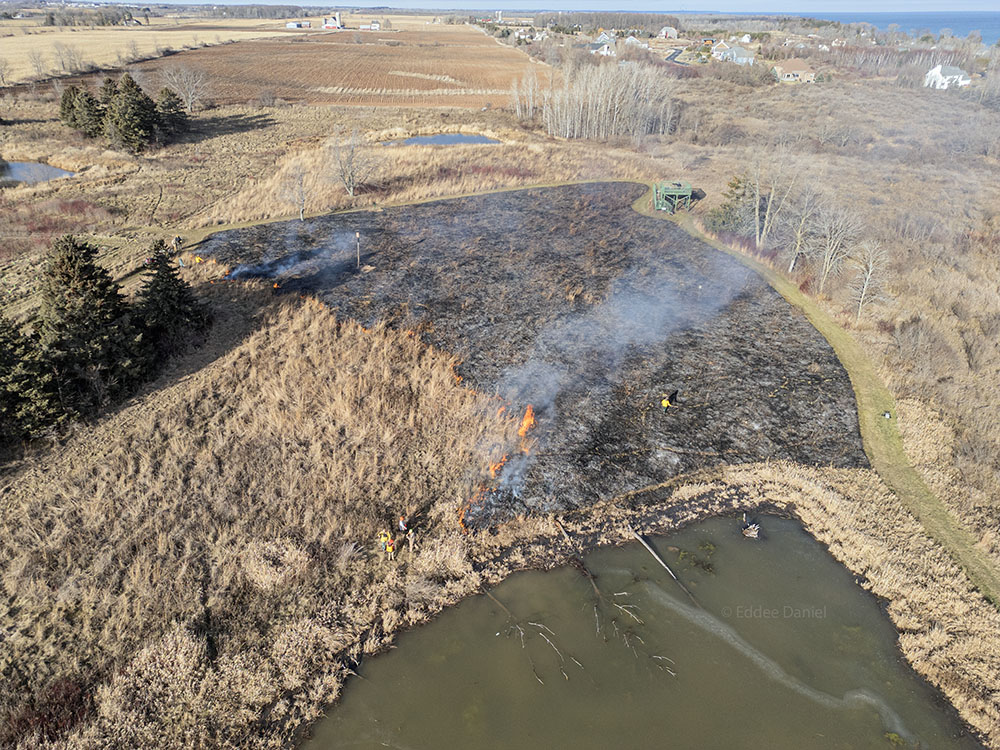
[200, 570]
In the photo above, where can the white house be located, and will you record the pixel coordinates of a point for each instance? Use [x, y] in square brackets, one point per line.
[373, 26]
[737, 55]
[718, 49]
[633, 42]
[946, 76]
[298, 25]
[333, 22]
[668, 32]
[606, 37]
[745, 39]
[603, 49]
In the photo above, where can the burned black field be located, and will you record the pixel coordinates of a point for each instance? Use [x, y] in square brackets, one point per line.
[568, 300]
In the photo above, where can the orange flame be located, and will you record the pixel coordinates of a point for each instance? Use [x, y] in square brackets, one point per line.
[495, 467]
[501, 410]
[454, 373]
[528, 421]
[275, 285]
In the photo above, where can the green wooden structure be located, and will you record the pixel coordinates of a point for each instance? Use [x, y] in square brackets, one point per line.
[669, 196]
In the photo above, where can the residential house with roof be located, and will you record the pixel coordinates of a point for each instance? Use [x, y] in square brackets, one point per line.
[738, 55]
[718, 49]
[794, 70]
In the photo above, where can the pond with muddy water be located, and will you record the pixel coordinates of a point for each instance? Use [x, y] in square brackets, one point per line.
[778, 648]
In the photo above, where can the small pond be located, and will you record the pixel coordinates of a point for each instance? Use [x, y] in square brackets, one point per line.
[441, 139]
[777, 648]
[29, 172]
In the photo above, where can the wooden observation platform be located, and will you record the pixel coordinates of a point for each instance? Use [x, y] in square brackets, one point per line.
[669, 196]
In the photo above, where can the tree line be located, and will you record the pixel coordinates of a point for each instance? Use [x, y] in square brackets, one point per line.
[123, 113]
[601, 101]
[90, 347]
[770, 207]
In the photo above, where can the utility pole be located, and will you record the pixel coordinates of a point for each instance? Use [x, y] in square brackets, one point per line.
[357, 236]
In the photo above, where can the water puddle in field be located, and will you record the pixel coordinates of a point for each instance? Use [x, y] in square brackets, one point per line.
[778, 649]
[441, 139]
[29, 172]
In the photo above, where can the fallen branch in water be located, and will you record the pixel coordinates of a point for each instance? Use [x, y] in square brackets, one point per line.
[666, 567]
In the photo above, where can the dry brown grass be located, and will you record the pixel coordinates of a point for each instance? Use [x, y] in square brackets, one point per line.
[207, 554]
[439, 65]
[112, 46]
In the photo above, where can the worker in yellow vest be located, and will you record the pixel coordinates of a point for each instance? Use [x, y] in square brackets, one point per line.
[669, 401]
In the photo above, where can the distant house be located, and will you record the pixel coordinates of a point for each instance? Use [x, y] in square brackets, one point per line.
[794, 71]
[737, 55]
[668, 32]
[605, 49]
[298, 25]
[605, 37]
[718, 49]
[839, 43]
[374, 26]
[633, 42]
[745, 39]
[707, 40]
[333, 22]
[946, 77]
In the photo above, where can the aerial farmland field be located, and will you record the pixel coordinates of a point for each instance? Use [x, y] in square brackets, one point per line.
[32, 50]
[440, 65]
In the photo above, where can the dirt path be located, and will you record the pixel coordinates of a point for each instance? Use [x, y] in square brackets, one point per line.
[882, 440]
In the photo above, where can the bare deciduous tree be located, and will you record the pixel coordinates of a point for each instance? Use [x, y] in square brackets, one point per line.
[4, 71]
[835, 230]
[294, 189]
[869, 260]
[37, 62]
[352, 164]
[798, 226]
[770, 182]
[190, 84]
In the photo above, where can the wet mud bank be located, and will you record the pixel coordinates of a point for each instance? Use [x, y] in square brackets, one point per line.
[566, 299]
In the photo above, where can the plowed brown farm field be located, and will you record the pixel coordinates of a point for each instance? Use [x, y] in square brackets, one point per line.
[442, 66]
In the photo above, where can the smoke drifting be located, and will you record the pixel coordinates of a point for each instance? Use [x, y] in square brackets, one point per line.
[584, 351]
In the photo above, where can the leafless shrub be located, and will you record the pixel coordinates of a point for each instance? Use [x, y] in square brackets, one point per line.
[352, 164]
[869, 261]
[190, 84]
[37, 62]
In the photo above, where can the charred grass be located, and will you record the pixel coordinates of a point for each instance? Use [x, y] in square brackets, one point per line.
[565, 299]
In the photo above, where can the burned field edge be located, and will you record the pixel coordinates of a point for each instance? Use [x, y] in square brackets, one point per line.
[882, 439]
[448, 566]
[561, 299]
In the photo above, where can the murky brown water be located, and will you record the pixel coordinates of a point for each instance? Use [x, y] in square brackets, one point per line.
[781, 650]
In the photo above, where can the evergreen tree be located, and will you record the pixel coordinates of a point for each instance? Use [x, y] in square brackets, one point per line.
[67, 106]
[168, 309]
[107, 92]
[11, 350]
[89, 114]
[89, 342]
[131, 119]
[29, 400]
[170, 112]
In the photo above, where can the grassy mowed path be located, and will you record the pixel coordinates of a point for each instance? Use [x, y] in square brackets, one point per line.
[882, 441]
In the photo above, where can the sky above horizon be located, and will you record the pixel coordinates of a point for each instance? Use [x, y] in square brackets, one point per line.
[792, 7]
